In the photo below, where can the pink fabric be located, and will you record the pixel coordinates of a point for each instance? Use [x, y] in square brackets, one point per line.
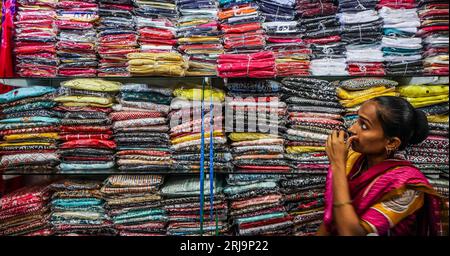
[387, 180]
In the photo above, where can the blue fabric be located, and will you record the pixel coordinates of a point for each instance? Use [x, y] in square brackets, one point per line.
[21, 93]
[33, 119]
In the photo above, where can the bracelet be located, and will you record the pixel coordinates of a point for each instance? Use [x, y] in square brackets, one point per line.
[342, 204]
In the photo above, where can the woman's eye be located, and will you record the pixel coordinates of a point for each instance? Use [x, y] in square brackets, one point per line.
[364, 126]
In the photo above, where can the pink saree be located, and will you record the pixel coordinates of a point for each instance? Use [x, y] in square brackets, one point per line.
[381, 182]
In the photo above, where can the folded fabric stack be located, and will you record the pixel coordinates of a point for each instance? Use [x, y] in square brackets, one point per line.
[182, 203]
[86, 129]
[29, 130]
[157, 64]
[256, 205]
[35, 39]
[362, 31]
[256, 65]
[353, 93]
[284, 37]
[431, 156]
[304, 200]
[434, 32]
[256, 118]
[313, 113]
[140, 127]
[155, 23]
[401, 48]
[322, 32]
[186, 130]
[199, 36]
[25, 212]
[241, 25]
[78, 209]
[134, 204]
[76, 47]
[117, 37]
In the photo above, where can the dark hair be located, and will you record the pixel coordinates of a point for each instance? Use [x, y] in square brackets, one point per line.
[399, 119]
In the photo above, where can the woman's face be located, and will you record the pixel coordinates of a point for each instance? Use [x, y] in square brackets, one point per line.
[367, 133]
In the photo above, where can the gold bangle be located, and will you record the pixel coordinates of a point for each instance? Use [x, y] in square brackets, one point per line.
[342, 204]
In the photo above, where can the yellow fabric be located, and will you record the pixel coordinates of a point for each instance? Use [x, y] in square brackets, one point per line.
[422, 90]
[349, 95]
[52, 135]
[202, 39]
[427, 101]
[359, 100]
[156, 56]
[84, 99]
[236, 136]
[438, 118]
[160, 70]
[352, 157]
[93, 84]
[303, 149]
[195, 137]
[409, 205]
[8, 144]
[157, 64]
[196, 94]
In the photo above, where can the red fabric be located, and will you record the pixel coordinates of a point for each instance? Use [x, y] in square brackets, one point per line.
[85, 136]
[257, 65]
[323, 40]
[81, 72]
[88, 143]
[82, 128]
[6, 58]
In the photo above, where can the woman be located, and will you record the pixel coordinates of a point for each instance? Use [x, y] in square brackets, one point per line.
[370, 192]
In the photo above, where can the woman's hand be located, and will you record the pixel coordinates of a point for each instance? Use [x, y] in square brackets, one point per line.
[337, 150]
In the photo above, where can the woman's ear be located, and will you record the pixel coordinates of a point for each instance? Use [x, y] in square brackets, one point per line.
[393, 143]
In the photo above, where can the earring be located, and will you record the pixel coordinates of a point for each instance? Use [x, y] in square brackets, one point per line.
[388, 152]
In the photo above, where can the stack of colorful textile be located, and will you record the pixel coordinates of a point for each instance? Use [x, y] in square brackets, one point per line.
[157, 64]
[77, 209]
[199, 36]
[29, 130]
[241, 25]
[256, 65]
[434, 32]
[431, 156]
[255, 118]
[182, 203]
[401, 48]
[86, 129]
[77, 38]
[186, 129]
[117, 37]
[353, 92]
[134, 204]
[256, 205]
[362, 32]
[284, 37]
[25, 212]
[313, 113]
[140, 128]
[304, 200]
[155, 23]
[322, 32]
[35, 39]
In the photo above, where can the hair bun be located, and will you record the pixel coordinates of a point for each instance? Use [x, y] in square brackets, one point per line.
[421, 128]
